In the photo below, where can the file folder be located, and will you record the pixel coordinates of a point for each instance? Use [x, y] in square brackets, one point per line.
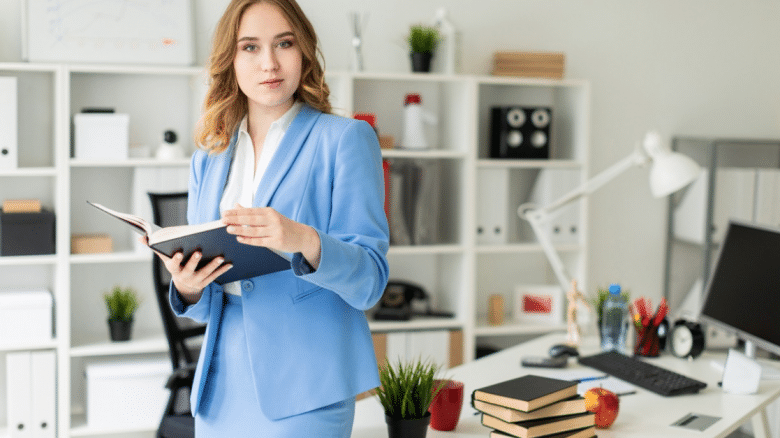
[18, 378]
[43, 368]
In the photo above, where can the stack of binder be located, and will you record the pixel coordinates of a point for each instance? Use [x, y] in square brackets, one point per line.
[534, 406]
[412, 188]
[529, 64]
[30, 392]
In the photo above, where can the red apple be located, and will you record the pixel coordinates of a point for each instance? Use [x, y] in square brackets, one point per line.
[604, 404]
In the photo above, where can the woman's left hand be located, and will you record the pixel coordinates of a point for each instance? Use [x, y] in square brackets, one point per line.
[264, 226]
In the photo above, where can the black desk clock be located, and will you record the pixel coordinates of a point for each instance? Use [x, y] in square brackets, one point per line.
[686, 339]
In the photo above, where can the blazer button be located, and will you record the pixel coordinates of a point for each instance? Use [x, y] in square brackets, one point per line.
[247, 285]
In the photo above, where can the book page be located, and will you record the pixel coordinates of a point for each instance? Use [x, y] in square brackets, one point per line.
[169, 233]
[142, 226]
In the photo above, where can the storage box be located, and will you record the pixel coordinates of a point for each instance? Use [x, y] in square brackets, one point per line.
[127, 394]
[25, 316]
[26, 233]
[91, 243]
[529, 64]
[101, 136]
[22, 206]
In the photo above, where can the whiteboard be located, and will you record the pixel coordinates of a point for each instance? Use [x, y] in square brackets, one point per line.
[109, 31]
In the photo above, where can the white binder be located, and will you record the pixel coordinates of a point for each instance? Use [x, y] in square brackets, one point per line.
[551, 185]
[8, 124]
[19, 379]
[43, 366]
[493, 210]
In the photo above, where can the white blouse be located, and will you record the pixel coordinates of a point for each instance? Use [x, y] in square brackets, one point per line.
[243, 179]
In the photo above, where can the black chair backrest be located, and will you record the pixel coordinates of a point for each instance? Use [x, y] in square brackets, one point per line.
[170, 209]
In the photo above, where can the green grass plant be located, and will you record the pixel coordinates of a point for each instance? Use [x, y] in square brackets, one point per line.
[407, 388]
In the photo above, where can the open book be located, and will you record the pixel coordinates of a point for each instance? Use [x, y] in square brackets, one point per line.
[212, 240]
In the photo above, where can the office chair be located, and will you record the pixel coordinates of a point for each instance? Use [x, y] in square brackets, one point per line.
[182, 333]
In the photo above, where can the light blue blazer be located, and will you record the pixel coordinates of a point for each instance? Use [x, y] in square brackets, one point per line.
[308, 338]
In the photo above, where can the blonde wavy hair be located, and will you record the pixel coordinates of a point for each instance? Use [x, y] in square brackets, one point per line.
[225, 104]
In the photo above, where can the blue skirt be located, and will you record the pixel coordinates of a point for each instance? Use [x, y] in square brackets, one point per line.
[230, 408]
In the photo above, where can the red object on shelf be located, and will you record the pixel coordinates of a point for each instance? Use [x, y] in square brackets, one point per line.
[368, 117]
[412, 98]
[537, 304]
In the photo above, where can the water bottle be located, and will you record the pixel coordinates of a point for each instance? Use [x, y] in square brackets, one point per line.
[614, 320]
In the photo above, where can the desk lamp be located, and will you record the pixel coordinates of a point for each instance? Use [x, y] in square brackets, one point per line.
[669, 172]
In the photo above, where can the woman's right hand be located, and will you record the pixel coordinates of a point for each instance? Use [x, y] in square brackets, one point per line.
[189, 280]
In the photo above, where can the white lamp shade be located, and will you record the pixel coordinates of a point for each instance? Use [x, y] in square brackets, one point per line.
[670, 172]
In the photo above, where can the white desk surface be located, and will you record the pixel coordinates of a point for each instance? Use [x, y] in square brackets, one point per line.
[644, 414]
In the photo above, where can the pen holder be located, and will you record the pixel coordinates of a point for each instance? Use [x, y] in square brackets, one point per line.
[647, 341]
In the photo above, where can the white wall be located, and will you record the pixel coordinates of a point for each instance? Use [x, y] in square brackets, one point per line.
[697, 67]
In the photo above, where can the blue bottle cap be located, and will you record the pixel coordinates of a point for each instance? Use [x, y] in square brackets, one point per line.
[614, 289]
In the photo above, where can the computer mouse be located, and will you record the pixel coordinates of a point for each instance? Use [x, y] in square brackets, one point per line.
[558, 350]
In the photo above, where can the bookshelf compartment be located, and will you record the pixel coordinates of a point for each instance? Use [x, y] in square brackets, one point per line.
[446, 101]
[528, 269]
[154, 103]
[425, 202]
[88, 309]
[441, 276]
[36, 118]
[567, 100]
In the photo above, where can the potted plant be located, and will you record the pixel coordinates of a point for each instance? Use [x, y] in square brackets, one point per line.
[406, 392]
[422, 41]
[122, 302]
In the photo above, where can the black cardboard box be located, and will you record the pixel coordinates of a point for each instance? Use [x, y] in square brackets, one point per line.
[26, 233]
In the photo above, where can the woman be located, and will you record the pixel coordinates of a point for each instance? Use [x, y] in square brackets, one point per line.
[285, 353]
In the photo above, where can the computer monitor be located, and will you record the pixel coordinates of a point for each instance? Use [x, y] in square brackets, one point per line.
[743, 293]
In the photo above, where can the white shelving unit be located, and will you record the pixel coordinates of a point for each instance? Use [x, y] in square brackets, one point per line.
[458, 270]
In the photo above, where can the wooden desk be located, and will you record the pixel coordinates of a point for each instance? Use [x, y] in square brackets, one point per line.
[643, 414]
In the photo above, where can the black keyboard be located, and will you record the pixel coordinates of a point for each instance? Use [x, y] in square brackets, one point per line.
[640, 373]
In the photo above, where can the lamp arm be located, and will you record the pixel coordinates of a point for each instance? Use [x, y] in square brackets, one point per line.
[637, 158]
[537, 217]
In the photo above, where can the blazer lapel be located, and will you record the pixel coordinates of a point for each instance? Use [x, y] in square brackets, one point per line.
[211, 194]
[283, 159]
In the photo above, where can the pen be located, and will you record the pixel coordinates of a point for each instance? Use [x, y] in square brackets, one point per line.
[588, 379]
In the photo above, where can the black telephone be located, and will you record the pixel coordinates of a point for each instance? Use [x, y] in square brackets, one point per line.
[396, 302]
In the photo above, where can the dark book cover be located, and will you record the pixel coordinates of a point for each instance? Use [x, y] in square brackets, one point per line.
[248, 260]
[526, 393]
[212, 240]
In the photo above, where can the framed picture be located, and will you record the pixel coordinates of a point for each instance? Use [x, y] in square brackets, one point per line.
[117, 31]
[538, 303]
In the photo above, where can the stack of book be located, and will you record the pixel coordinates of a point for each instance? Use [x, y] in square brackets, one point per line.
[534, 406]
[529, 64]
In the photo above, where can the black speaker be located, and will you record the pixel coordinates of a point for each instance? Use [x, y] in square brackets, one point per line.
[520, 132]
